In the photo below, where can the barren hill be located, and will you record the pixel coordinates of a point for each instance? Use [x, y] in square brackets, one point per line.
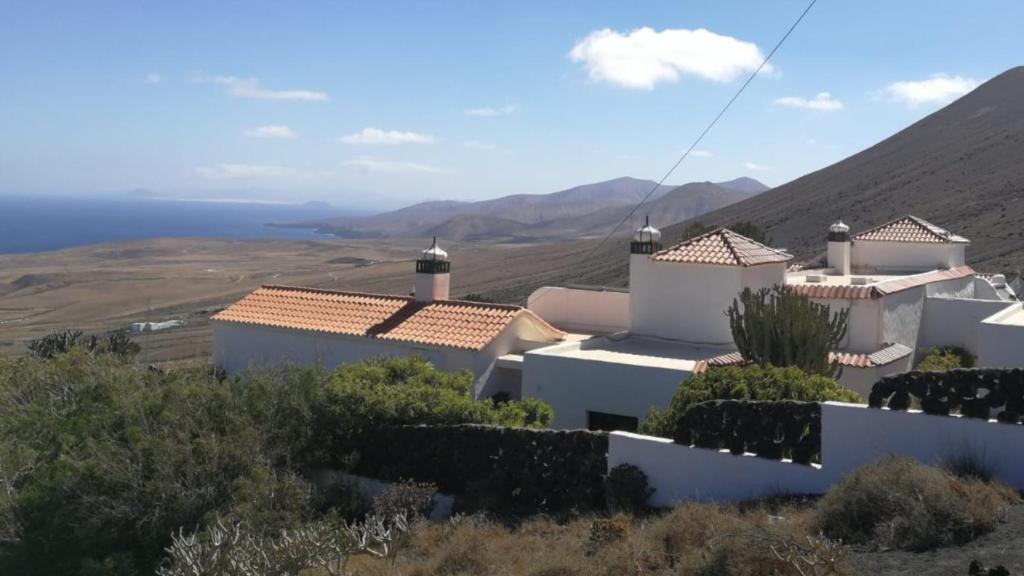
[961, 167]
[588, 210]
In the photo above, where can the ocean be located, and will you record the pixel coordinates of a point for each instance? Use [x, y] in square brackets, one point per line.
[50, 223]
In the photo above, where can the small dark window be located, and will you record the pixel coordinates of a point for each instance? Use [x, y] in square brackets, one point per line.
[609, 422]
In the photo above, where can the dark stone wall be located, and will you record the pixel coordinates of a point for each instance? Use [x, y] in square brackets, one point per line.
[781, 429]
[516, 470]
[972, 392]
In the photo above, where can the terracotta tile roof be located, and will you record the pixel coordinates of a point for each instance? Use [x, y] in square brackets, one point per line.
[910, 229]
[827, 292]
[450, 323]
[881, 357]
[723, 247]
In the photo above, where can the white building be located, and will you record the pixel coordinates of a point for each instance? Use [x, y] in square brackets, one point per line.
[905, 284]
[603, 358]
[276, 325]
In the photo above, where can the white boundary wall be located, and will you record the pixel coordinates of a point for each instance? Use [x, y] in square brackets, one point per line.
[852, 435]
[577, 310]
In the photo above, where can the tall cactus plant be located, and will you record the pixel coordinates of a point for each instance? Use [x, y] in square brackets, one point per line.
[776, 326]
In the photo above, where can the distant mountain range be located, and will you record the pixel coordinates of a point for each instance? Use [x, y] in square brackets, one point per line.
[580, 212]
[961, 167]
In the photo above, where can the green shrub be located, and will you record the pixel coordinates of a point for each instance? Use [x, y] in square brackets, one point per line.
[102, 460]
[400, 391]
[945, 358]
[899, 503]
[115, 343]
[778, 327]
[627, 489]
[744, 383]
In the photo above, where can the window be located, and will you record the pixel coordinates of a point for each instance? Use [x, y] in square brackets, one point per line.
[609, 422]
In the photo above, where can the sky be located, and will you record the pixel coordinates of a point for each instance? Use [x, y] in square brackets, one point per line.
[380, 104]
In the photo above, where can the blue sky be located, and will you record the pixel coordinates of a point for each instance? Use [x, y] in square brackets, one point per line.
[384, 103]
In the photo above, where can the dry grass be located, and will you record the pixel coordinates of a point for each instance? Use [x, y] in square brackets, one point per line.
[899, 503]
[698, 539]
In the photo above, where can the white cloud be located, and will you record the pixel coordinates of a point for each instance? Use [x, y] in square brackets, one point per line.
[378, 165]
[242, 171]
[644, 57]
[153, 78]
[251, 88]
[939, 88]
[282, 132]
[756, 167]
[822, 102]
[698, 153]
[477, 145]
[492, 111]
[387, 137]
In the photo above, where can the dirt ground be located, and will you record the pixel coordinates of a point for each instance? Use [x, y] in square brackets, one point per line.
[110, 286]
[1004, 546]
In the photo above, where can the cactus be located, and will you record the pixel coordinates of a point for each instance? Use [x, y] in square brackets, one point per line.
[777, 327]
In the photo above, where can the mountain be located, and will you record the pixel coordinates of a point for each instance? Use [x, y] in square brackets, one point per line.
[746, 185]
[961, 167]
[682, 203]
[579, 212]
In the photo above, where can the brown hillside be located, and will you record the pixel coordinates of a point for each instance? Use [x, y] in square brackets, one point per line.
[961, 167]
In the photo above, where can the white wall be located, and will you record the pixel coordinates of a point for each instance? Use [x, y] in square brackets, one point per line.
[573, 386]
[881, 256]
[680, 473]
[901, 317]
[586, 311]
[1001, 345]
[239, 347]
[956, 321]
[863, 331]
[852, 436]
[683, 301]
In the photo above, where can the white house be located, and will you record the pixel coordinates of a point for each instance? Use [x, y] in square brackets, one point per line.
[603, 358]
[280, 324]
[905, 284]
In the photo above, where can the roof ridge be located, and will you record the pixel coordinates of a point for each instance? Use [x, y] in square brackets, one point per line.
[727, 238]
[493, 305]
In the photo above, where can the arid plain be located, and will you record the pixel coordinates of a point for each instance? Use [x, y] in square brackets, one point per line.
[109, 286]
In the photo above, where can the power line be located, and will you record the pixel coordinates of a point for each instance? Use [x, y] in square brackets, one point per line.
[705, 132]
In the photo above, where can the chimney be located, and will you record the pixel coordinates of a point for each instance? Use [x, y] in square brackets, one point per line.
[432, 274]
[839, 248]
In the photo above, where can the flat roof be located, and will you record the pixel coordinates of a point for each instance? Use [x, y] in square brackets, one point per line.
[635, 350]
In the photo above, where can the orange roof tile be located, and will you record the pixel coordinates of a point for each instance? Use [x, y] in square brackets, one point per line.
[910, 229]
[451, 323]
[826, 292]
[723, 247]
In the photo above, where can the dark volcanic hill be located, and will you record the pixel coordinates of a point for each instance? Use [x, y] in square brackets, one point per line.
[961, 167]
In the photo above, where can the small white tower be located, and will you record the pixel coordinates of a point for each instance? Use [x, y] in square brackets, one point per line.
[432, 274]
[839, 248]
[646, 241]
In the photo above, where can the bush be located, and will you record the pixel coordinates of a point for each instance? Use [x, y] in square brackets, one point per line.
[102, 460]
[401, 391]
[778, 327]
[114, 343]
[627, 489]
[899, 503]
[407, 498]
[744, 383]
[944, 358]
